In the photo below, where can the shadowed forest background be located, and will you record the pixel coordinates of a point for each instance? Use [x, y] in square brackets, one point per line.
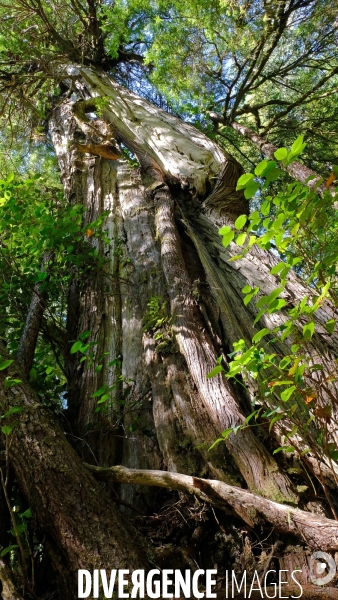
[168, 289]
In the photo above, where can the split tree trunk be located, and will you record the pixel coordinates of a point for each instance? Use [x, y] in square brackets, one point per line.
[162, 412]
[179, 256]
[221, 406]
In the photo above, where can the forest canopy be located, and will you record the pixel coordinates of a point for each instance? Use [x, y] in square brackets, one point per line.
[168, 257]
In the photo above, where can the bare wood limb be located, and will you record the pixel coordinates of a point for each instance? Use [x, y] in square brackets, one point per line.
[314, 530]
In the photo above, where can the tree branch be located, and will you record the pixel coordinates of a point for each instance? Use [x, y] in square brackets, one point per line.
[314, 530]
[297, 170]
[32, 325]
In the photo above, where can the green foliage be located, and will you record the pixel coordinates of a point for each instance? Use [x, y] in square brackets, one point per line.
[156, 316]
[35, 222]
[293, 389]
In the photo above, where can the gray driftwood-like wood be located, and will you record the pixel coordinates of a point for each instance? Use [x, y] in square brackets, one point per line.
[314, 530]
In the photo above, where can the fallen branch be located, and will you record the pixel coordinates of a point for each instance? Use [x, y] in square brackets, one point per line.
[316, 531]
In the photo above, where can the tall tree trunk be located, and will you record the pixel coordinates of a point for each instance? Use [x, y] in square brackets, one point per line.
[160, 309]
[221, 406]
[192, 259]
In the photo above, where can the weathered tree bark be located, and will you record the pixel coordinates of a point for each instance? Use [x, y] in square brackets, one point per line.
[71, 507]
[297, 170]
[32, 326]
[171, 153]
[215, 398]
[162, 411]
[8, 591]
[253, 461]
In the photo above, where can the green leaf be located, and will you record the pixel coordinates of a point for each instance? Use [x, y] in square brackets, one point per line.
[13, 410]
[21, 528]
[240, 239]
[100, 391]
[76, 347]
[227, 238]
[273, 174]
[275, 293]
[253, 414]
[330, 325]
[239, 346]
[275, 419]
[236, 257]
[270, 166]
[225, 434]
[298, 145]
[262, 301]
[281, 153]
[247, 298]
[261, 167]
[9, 382]
[103, 399]
[246, 289]
[251, 189]
[215, 443]
[27, 514]
[84, 348]
[284, 362]
[259, 315]
[240, 221]
[84, 335]
[334, 454]
[6, 429]
[8, 549]
[49, 370]
[277, 268]
[286, 394]
[215, 371]
[276, 305]
[224, 230]
[244, 180]
[4, 364]
[33, 374]
[260, 334]
[285, 449]
[265, 208]
[308, 330]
